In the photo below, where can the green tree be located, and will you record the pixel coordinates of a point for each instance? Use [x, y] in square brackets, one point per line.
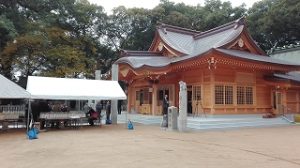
[30, 18]
[7, 33]
[51, 52]
[274, 22]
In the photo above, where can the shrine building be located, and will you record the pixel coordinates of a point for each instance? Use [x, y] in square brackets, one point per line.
[225, 72]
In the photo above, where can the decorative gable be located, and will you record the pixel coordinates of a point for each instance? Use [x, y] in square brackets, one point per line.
[239, 44]
[245, 43]
[162, 48]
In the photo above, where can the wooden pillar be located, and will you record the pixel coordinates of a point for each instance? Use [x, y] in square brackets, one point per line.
[284, 100]
[154, 99]
[129, 99]
[297, 102]
[212, 87]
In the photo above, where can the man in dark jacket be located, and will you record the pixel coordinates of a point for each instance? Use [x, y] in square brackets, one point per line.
[165, 111]
[119, 106]
[165, 104]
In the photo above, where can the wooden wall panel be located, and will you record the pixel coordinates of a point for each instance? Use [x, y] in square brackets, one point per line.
[225, 76]
[191, 76]
[248, 78]
[206, 95]
[206, 78]
[292, 101]
[260, 79]
[263, 96]
[291, 107]
[291, 96]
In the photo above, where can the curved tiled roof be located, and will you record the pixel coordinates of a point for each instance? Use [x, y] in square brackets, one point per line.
[254, 57]
[294, 76]
[140, 61]
[183, 43]
[128, 53]
[194, 44]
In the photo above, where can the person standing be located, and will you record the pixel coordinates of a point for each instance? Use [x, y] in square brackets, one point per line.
[86, 108]
[165, 105]
[119, 106]
[99, 109]
[165, 111]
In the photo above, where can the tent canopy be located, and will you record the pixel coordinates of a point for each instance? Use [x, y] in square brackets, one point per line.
[10, 90]
[73, 89]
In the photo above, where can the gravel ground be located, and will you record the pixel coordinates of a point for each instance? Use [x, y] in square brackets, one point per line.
[150, 146]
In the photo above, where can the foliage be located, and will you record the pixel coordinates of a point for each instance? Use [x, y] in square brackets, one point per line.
[50, 52]
[274, 22]
[71, 38]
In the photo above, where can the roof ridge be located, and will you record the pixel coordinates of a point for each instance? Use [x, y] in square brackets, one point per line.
[177, 29]
[235, 24]
[285, 48]
[125, 53]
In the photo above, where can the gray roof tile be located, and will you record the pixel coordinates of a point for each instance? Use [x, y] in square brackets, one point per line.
[294, 76]
[194, 44]
[140, 61]
[254, 57]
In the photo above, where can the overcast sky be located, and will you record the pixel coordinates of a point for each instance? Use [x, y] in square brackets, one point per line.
[110, 4]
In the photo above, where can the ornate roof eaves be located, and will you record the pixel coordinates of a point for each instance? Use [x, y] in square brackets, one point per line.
[127, 53]
[141, 67]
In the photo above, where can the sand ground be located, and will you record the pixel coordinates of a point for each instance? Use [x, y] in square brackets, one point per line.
[150, 146]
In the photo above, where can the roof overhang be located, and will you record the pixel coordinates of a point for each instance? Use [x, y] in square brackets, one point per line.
[73, 89]
[10, 90]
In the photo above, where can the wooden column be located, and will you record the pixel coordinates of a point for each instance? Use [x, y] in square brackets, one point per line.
[212, 87]
[297, 102]
[154, 99]
[129, 99]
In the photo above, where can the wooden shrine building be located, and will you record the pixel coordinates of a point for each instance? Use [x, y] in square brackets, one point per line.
[225, 72]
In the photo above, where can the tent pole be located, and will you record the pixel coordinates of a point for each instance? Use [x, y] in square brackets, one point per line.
[28, 111]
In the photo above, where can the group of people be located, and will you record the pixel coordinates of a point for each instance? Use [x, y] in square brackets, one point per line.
[96, 114]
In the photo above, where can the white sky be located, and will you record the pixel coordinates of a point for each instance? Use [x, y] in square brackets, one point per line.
[110, 4]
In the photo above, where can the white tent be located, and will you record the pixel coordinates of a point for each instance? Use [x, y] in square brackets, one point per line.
[73, 89]
[10, 90]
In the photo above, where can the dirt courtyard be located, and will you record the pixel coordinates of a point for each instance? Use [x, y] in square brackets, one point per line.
[150, 146]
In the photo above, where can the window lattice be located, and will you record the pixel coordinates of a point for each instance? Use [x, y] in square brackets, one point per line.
[244, 95]
[228, 94]
[219, 97]
[224, 94]
[240, 95]
[249, 95]
[197, 93]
